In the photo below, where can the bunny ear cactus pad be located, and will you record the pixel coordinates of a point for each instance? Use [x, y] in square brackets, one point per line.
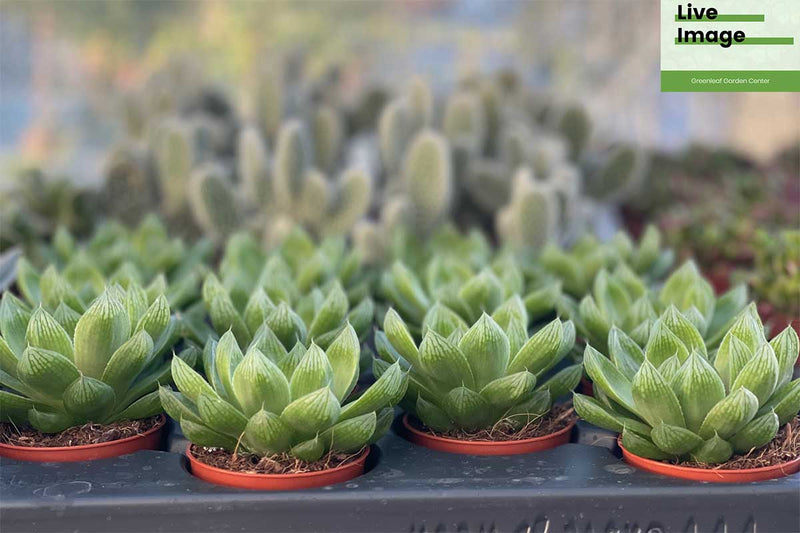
[268, 401]
[672, 401]
[473, 379]
[108, 370]
[428, 177]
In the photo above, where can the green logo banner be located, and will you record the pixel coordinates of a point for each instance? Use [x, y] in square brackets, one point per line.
[730, 46]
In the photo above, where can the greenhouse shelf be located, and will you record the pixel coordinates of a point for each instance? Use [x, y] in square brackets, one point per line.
[577, 487]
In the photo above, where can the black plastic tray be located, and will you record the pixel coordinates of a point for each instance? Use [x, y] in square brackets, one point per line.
[577, 487]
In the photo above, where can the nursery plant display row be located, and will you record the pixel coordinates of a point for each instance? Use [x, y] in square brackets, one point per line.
[383, 310]
[305, 367]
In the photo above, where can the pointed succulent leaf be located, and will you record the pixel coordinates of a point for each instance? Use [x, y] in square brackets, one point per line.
[14, 408]
[785, 402]
[259, 384]
[386, 391]
[730, 414]
[89, 399]
[226, 358]
[642, 446]
[732, 356]
[67, 317]
[45, 332]
[309, 450]
[287, 326]
[224, 317]
[155, 320]
[442, 320]
[760, 374]
[47, 372]
[100, 331]
[290, 362]
[529, 410]
[726, 308]
[748, 328]
[509, 390]
[674, 440]
[202, 435]
[537, 354]
[14, 317]
[258, 307]
[266, 434]
[400, 338]
[444, 363]
[432, 416]
[312, 413]
[610, 380]
[466, 408]
[343, 355]
[597, 414]
[624, 352]
[486, 348]
[269, 344]
[713, 451]
[698, 388]
[669, 368]
[189, 382]
[350, 435]
[663, 344]
[177, 406]
[787, 348]
[683, 329]
[145, 407]
[8, 359]
[564, 381]
[331, 314]
[384, 420]
[313, 373]
[221, 416]
[653, 397]
[595, 321]
[756, 433]
[50, 422]
[127, 363]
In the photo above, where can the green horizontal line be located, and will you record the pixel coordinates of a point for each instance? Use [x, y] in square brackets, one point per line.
[726, 18]
[747, 40]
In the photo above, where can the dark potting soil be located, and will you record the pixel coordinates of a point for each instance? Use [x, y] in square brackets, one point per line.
[559, 417]
[782, 449]
[75, 436]
[281, 463]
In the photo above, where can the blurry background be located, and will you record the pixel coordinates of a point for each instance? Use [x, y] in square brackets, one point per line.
[63, 63]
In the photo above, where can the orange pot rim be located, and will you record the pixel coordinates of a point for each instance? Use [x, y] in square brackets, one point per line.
[199, 465]
[485, 447]
[33, 451]
[714, 475]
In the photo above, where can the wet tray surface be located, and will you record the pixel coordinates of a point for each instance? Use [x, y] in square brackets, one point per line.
[408, 488]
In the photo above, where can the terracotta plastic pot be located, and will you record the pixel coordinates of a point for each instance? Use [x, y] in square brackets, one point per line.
[508, 447]
[149, 440]
[713, 476]
[305, 480]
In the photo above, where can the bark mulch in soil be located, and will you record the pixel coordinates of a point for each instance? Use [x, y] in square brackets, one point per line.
[559, 417]
[281, 463]
[75, 436]
[782, 449]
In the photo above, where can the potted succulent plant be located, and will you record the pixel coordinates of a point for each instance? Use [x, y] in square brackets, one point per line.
[482, 390]
[274, 419]
[685, 412]
[84, 386]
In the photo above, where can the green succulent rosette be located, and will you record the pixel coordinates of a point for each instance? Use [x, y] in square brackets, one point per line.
[146, 256]
[266, 400]
[623, 300]
[472, 377]
[677, 400]
[67, 368]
